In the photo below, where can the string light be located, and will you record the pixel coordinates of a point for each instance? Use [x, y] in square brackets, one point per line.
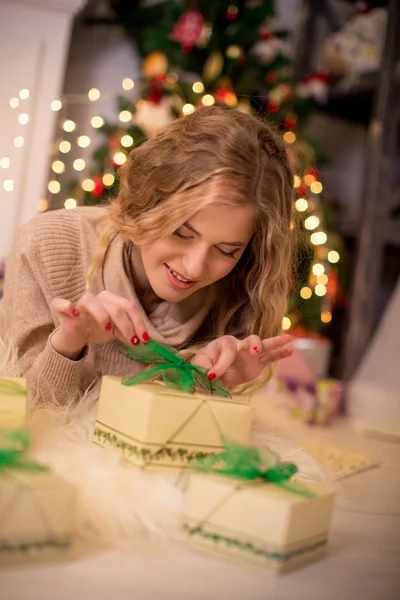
[108, 179]
[18, 141]
[234, 52]
[83, 141]
[318, 269]
[127, 141]
[125, 116]
[333, 256]
[230, 99]
[8, 185]
[97, 122]
[4, 162]
[316, 187]
[289, 137]
[79, 164]
[54, 187]
[320, 290]
[69, 125]
[24, 94]
[119, 158]
[208, 100]
[70, 203]
[311, 222]
[88, 185]
[198, 87]
[326, 316]
[286, 323]
[93, 94]
[318, 238]
[309, 179]
[64, 146]
[14, 102]
[305, 293]
[56, 105]
[23, 119]
[301, 204]
[187, 109]
[296, 181]
[322, 279]
[42, 205]
[58, 166]
[128, 83]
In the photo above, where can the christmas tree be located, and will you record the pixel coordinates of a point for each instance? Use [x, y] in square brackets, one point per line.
[199, 53]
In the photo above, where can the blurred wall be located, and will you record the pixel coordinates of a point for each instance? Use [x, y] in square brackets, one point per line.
[34, 37]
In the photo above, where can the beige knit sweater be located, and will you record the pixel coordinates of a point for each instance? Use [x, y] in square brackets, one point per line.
[49, 259]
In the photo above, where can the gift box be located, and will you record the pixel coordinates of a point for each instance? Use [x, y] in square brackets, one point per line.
[37, 508]
[318, 403]
[263, 522]
[154, 425]
[13, 402]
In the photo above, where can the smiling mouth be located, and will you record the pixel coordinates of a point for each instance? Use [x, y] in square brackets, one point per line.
[177, 280]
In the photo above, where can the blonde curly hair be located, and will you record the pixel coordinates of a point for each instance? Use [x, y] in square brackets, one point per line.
[189, 164]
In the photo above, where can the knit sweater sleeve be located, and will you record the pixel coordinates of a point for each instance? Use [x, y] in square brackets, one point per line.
[45, 262]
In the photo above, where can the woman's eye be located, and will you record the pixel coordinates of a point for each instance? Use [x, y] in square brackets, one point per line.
[229, 254]
[181, 236]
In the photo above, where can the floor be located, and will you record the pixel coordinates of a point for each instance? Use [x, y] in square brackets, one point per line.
[362, 561]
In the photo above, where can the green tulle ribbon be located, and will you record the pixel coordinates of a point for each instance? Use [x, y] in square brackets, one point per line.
[14, 444]
[11, 388]
[251, 464]
[172, 368]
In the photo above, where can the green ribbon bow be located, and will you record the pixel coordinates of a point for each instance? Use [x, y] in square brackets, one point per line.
[11, 388]
[174, 370]
[14, 444]
[251, 464]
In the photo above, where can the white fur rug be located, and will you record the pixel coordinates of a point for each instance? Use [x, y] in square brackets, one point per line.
[120, 506]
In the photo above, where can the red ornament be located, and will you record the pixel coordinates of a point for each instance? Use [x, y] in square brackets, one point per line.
[312, 172]
[188, 29]
[232, 14]
[98, 186]
[155, 93]
[332, 287]
[271, 77]
[266, 34]
[301, 190]
[273, 106]
[114, 142]
[290, 121]
[220, 94]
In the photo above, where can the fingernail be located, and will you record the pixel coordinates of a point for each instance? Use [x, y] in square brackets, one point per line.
[134, 341]
[145, 337]
[75, 312]
[256, 349]
[211, 376]
[108, 326]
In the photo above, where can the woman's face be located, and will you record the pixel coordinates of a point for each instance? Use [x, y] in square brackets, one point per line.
[200, 252]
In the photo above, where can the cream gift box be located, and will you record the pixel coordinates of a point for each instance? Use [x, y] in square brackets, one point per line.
[37, 508]
[37, 511]
[153, 425]
[13, 402]
[256, 521]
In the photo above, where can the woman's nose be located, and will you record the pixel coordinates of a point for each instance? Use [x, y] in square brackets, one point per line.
[194, 262]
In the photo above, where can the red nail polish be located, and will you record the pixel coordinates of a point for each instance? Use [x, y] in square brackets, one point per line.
[211, 376]
[134, 341]
[145, 337]
[108, 326]
[75, 312]
[256, 349]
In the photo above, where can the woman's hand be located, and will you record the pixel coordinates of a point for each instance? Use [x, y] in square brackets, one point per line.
[240, 361]
[96, 319]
